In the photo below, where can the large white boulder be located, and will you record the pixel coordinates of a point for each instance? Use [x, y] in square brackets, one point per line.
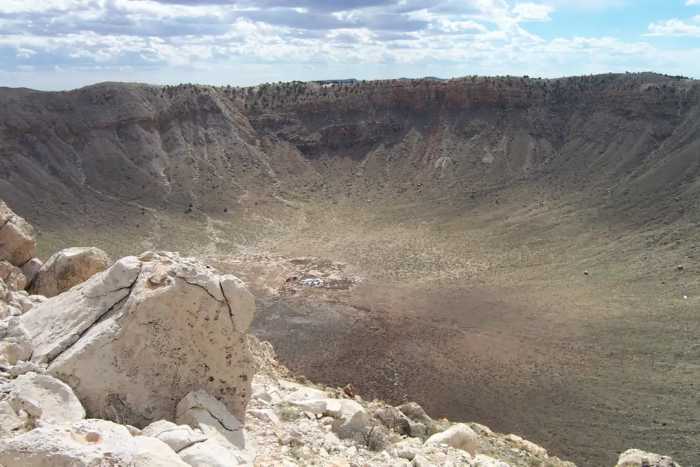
[58, 323]
[17, 244]
[133, 340]
[458, 436]
[68, 268]
[45, 398]
[638, 458]
[88, 443]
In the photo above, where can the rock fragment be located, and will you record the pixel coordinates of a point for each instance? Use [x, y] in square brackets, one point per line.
[68, 268]
[17, 244]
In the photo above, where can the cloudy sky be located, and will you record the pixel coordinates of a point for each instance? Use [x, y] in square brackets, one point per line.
[61, 44]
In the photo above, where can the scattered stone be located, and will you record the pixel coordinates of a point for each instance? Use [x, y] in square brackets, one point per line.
[15, 342]
[46, 399]
[265, 415]
[68, 268]
[152, 452]
[393, 419]
[528, 446]
[458, 436]
[485, 461]
[408, 449]
[11, 422]
[415, 412]
[178, 437]
[24, 367]
[637, 458]
[87, 443]
[421, 461]
[223, 430]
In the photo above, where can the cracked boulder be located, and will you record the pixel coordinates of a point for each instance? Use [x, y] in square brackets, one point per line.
[17, 244]
[68, 268]
[133, 340]
[226, 442]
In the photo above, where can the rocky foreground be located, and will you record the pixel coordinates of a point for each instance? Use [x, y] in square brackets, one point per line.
[146, 361]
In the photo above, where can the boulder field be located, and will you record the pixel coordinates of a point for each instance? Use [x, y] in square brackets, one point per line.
[147, 362]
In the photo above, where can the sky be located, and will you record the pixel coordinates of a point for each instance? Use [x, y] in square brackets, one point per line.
[64, 44]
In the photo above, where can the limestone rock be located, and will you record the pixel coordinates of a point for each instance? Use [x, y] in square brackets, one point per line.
[11, 422]
[407, 449]
[226, 440]
[136, 338]
[178, 437]
[421, 461]
[23, 301]
[211, 454]
[15, 342]
[17, 244]
[152, 452]
[458, 436]
[415, 412]
[24, 367]
[31, 268]
[87, 443]
[420, 425]
[68, 268]
[351, 417]
[528, 446]
[59, 322]
[637, 458]
[12, 276]
[393, 419]
[485, 461]
[55, 401]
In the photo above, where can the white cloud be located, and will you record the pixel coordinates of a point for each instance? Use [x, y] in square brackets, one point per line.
[533, 12]
[676, 27]
[160, 41]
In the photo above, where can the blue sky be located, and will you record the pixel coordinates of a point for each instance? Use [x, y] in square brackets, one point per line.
[63, 44]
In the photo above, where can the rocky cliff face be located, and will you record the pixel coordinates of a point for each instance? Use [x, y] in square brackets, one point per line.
[623, 139]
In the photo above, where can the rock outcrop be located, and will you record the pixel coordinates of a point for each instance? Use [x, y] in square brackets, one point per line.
[135, 339]
[17, 244]
[68, 268]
